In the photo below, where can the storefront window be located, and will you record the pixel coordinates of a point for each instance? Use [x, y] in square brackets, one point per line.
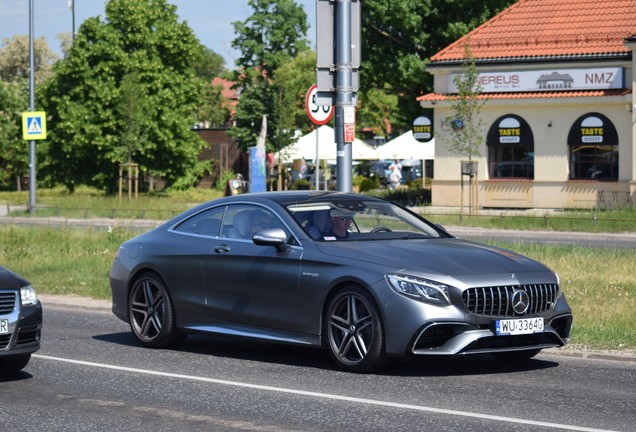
[510, 148]
[593, 145]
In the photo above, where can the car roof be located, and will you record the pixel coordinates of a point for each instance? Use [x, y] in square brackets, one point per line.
[282, 198]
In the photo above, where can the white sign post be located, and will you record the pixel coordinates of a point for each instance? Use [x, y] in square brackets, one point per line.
[319, 115]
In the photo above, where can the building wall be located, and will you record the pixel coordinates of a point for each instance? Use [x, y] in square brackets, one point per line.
[550, 119]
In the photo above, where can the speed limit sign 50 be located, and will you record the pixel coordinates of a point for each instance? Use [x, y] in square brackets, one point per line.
[318, 115]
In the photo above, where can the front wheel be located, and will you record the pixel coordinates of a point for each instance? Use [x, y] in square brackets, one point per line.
[14, 363]
[151, 313]
[354, 331]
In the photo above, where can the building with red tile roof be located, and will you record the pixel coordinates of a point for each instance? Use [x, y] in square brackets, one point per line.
[556, 79]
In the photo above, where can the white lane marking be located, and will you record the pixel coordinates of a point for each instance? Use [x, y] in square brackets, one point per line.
[326, 395]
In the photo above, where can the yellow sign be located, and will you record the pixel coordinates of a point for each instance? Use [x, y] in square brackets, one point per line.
[34, 125]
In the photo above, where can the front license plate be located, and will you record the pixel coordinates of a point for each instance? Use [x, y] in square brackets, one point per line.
[4, 326]
[519, 326]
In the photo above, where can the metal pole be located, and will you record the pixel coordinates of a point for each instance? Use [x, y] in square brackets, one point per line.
[317, 159]
[344, 109]
[71, 5]
[31, 108]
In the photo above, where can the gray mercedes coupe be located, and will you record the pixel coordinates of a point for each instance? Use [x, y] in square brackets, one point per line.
[363, 277]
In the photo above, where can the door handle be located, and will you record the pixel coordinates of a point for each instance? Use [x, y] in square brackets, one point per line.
[222, 249]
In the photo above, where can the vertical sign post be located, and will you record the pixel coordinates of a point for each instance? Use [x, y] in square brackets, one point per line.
[31, 108]
[319, 115]
[337, 63]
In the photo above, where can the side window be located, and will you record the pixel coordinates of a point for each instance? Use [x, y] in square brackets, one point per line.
[207, 223]
[243, 221]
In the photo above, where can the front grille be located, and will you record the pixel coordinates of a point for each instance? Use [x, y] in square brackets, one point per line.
[7, 302]
[4, 341]
[497, 301]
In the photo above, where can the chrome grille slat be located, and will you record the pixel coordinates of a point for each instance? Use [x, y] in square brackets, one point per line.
[7, 302]
[495, 300]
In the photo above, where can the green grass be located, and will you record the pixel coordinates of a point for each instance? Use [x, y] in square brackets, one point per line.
[600, 285]
[89, 203]
[609, 221]
[63, 260]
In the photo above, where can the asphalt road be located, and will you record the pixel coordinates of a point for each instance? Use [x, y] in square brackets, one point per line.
[91, 376]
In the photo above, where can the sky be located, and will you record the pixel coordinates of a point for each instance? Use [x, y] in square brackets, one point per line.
[211, 20]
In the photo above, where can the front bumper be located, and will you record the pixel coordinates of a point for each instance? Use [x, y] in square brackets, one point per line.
[24, 327]
[450, 338]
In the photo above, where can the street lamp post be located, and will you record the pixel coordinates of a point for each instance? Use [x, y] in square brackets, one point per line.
[71, 5]
[31, 109]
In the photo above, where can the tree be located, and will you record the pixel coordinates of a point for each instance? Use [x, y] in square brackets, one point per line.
[291, 83]
[15, 61]
[273, 35]
[377, 110]
[14, 153]
[14, 99]
[400, 36]
[464, 127]
[209, 65]
[139, 48]
[213, 108]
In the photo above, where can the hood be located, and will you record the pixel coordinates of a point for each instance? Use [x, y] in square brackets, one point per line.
[10, 280]
[447, 256]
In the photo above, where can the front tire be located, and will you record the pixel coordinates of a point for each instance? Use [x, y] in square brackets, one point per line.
[151, 313]
[14, 363]
[355, 332]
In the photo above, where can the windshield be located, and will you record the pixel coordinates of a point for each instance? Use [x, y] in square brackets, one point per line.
[359, 219]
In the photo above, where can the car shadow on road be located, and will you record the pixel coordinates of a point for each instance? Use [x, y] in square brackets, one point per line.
[14, 376]
[312, 357]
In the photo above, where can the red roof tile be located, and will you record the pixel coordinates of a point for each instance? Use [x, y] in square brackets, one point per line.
[434, 97]
[549, 28]
[228, 92]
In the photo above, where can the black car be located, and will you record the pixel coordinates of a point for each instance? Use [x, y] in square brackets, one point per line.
[360, 276]
[20, 321]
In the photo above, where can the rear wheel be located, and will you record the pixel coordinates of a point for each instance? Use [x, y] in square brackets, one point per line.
[14, 363]
[355, 333]
[151, 313]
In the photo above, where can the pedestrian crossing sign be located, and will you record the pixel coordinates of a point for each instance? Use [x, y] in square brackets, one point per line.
[34, 125]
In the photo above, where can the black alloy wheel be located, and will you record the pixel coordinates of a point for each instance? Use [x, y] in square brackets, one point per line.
[354, 331]
[152, 317]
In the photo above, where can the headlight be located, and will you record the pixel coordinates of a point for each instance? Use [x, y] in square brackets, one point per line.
[28, 296]
[420, 289]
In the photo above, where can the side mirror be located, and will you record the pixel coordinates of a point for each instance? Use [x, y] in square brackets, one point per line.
[271, 237]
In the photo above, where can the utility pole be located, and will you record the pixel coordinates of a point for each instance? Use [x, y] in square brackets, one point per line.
[337, 63]
[31, 108]
[71, 5]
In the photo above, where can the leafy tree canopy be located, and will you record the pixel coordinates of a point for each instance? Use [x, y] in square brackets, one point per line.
[14, 99]
[398, 38]
[273, 35]
[125, 91]
[15, 61]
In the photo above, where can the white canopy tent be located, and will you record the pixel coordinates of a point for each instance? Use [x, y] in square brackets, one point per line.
[306, 147]
[407, 147]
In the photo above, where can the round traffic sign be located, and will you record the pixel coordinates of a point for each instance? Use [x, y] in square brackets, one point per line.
[318, 114]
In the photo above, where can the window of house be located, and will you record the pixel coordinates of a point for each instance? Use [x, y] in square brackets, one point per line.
[510, 148]
[593, 148]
